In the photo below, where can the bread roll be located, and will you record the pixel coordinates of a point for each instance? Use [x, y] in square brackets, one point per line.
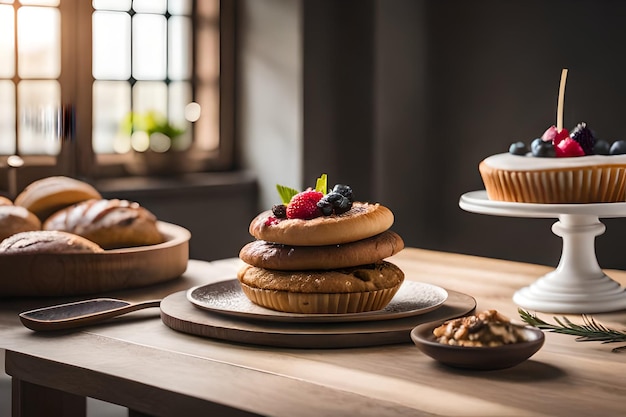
[5, 201]
[15, 219]
[48, 195]
[110, 223]
[362, 221]
[46, 241]
[285, 257]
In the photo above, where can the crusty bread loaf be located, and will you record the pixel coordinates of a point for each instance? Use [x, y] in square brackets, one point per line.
[4, 201]
[268, 255]
[349, 290]
[362, 221]
[46, 241]
[15, 219]
[110, 223]
[48, 195]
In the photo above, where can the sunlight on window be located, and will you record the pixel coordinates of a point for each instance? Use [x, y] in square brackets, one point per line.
[7, 41]
[39, 42]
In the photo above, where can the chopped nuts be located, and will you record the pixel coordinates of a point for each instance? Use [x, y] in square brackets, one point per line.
[488, 328]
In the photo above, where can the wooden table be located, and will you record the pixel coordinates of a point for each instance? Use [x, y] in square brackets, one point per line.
[138, 362]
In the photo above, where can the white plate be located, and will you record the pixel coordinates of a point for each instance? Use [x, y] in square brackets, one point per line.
[226, 297]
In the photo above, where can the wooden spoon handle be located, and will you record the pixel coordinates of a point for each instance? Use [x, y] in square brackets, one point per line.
[81, 313]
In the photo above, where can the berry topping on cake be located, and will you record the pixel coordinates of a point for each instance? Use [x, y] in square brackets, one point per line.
[304, 205]
[518, 148]
[584, 136]
[311, 203]
[568, 147]
[602, 147]
[554, 135]
[618, 147]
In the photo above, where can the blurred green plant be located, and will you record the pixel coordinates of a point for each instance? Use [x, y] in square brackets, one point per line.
[150, 122]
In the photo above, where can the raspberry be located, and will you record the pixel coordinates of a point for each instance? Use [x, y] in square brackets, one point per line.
[554, 135]
[304, 205]
[271, 220]
[569, 147]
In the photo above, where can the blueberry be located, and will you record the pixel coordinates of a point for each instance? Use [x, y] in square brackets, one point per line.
[325, 207]
[537, 142]
[601, 147]
[344, 190]
[618, 147]
[333, 197]
[518, 148]
[543, 150]
[343, 205]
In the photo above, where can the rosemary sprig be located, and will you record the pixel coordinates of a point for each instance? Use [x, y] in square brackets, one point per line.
[589, 331]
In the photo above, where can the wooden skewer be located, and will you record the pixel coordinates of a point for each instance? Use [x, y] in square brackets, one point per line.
[559, 107]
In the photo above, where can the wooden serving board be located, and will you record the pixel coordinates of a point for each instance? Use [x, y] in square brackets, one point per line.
[93, 273]
[181, 315]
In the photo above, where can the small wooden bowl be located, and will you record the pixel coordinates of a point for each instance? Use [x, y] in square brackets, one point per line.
[479, 358]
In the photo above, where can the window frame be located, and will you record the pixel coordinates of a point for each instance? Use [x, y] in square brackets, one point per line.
[76, 157]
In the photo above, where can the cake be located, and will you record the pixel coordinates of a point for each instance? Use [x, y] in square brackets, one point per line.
[560, 167]
[321, 253]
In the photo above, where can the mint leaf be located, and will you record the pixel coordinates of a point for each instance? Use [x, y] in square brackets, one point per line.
[286, 193]
[321, 184]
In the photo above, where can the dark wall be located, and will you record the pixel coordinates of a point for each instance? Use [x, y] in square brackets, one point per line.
[450, 83]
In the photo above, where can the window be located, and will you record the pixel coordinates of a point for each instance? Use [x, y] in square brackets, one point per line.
[88, 87]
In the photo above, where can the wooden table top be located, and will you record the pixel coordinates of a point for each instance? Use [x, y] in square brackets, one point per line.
[138, 362]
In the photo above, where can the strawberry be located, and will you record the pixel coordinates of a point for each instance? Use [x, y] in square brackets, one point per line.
[568, 147]
[304, 205]
[555, 135]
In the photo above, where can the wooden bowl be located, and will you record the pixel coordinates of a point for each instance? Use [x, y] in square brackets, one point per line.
[480, 358]
[92, 273]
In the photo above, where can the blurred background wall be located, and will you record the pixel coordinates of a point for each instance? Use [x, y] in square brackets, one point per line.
[402, 99]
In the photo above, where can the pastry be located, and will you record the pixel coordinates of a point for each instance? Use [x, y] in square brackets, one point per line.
[110, 223]
[48, 195]
[349, 290]
[560, 167]
[289, 258]
[15, 219]
[321, 253]
[47, 241]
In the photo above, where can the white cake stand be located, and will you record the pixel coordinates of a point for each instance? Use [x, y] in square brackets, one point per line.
[577, 285]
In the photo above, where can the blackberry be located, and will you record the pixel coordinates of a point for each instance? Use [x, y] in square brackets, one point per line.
[344, 190]
[280, 211]
[584, 136]
[518, 148]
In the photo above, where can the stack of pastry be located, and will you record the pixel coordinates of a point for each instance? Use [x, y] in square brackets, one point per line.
[321, 261]
[62, 214]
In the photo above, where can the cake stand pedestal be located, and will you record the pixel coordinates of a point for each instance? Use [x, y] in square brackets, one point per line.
[578, 285]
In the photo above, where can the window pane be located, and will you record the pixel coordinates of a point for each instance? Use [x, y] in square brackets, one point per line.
[179, 7]
[7, 118]
[7, 42]
[38, 103]
[38, 42]
[150, 96]
[111, 48]
[40, 2]
[180, 43]
[111, 103]
[149, 47]
[150, 6]
[120, 5]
